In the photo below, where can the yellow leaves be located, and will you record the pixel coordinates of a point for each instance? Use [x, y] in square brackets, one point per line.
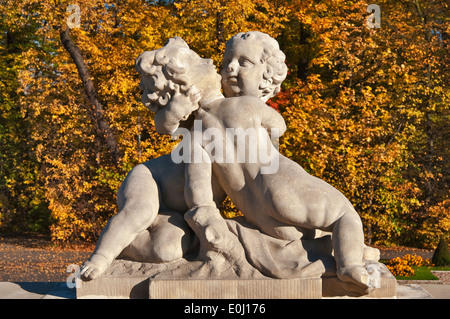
[380, 72]
[343, 123]
[198, 23]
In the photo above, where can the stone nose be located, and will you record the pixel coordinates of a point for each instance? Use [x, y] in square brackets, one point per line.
[232, 68]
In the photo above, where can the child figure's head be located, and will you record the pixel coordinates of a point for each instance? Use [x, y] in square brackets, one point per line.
[172, 73]
[253, 65]
[174, 66]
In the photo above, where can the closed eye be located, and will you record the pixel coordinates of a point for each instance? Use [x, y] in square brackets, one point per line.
[246, 63]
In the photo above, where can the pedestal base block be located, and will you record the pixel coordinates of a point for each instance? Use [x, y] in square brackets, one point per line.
[299, 288]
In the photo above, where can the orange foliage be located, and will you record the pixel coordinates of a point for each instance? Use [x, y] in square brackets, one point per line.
[366, 109]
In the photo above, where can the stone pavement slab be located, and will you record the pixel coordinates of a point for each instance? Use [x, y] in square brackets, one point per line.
[36, 290]
[412, 291]
[438, 291]
[11, 290]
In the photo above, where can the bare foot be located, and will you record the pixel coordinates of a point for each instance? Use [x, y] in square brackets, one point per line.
[94, 267]
[357, 276]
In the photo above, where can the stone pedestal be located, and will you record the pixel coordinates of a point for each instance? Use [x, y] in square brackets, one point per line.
[138, 286]
[332, 287]
[114, 287]
[143, 288]
[305, 288]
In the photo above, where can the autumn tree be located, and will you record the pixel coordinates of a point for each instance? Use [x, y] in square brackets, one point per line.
[22, 202]
[366, 108]
[77, 172]
[207, 25]
[355, 116]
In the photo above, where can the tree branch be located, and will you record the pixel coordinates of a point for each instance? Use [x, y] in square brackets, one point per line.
[91, 94]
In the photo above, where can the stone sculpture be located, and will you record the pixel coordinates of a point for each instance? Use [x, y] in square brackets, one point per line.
[150, 226]
[168, 208]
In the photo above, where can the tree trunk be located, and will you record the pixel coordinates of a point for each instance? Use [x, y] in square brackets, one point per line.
[302, 64]
[91, 94]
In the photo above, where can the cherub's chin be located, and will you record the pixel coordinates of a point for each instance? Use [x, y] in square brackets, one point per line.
[234, 88]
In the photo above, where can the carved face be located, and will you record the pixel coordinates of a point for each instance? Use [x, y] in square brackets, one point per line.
[173, 80]
[242, 70]
[203, 81]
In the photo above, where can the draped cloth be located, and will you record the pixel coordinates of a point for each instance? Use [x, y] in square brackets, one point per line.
[278, 258]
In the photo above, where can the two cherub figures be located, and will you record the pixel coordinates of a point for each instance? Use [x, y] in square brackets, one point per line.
[168, 206]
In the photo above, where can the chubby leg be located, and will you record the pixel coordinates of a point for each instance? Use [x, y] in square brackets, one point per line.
[348, 245]
[168, 239]
[138, 201]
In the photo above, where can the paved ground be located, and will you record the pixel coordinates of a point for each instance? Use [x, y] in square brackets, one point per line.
[438, 291]
[423, 291]
[36, 290]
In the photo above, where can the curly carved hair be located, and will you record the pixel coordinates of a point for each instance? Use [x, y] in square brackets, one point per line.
[160, 73]
[274, 58]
